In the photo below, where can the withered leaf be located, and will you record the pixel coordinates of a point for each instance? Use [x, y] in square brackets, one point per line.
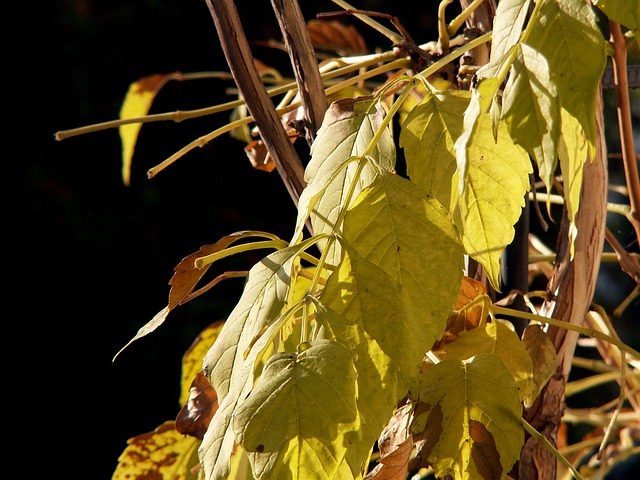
[259, 156]
[163, 453]
[465, 316]
[394, 465]
[187, 276]
[429, 437]
[395, 445]
[484, 452]
[335, 36]
[196, 414]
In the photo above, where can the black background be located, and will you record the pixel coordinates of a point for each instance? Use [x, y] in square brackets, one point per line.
[89, 260]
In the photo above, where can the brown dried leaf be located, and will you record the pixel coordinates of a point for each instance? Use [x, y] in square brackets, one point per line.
[470, 312]
[163, 453]
[395, 445]
[429, 437]
[196, 414]
[259, 156]
[187, 276]
[335, 36]
[394, 465]
[484, 452]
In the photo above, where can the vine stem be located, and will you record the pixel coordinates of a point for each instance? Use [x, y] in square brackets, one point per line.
[621, 82]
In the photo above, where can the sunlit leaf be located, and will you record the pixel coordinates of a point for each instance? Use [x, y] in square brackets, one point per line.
[531, 110]
[475, 120]
[428, 136]
[573, 154]
[568, 36]
[624, 12]
[230, 361]
[496, 337]
[310, 397]
[491, 201]
[340, 317]
[347, 130]
[507, 27]
[136, 104]
[469, 417]
[162, 454]
[397, 227]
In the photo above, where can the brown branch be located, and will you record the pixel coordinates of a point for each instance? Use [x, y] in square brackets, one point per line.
[620, 79]
[303, 60]
[570, 293]
[238, 54]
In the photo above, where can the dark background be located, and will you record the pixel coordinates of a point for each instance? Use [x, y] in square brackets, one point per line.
[92, 258]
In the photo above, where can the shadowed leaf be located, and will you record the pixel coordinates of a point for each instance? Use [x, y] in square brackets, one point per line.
[543, 357]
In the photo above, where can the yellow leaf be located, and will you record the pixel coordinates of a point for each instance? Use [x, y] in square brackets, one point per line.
[469, 417]
[495, 177]
[137, 104]
[162, 454]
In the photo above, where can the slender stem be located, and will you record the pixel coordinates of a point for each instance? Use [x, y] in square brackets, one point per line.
[205, 260]
[457, 22]
[590, 332]
[390, 34]
[542, 440]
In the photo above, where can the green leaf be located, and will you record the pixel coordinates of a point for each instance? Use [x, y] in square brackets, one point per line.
[498, 338]
[470, 414]
[624, 12]
[428, 136]
[567, 35]
[397, 226]
[493, 195]
[531, 110]
[308, 397]
[347, 130]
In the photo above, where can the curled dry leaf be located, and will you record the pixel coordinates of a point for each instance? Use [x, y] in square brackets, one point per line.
[337, 37]
[259, 156]
[196, 414]
[470, 311]
[395, 444]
